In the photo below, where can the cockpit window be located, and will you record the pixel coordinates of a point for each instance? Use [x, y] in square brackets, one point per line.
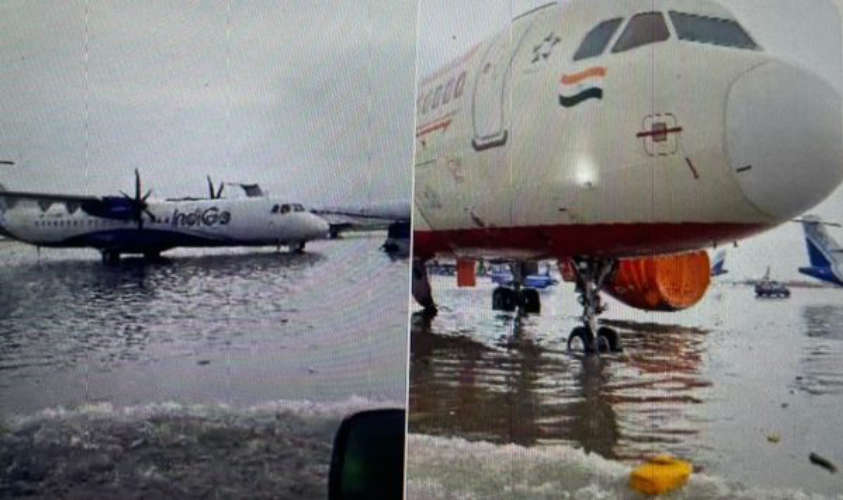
[713, 30]
[297, 207]
[285, 208]
[643, 29]
[597, 39]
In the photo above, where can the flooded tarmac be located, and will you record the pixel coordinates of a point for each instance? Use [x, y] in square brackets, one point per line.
[745, 389]
[214, 373]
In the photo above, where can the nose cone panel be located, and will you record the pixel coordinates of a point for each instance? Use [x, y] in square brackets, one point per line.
[785, 124]
[320, 227]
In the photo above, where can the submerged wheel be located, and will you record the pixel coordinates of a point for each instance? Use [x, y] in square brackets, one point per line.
[608, 340]
[530, 301]
[580, 337]
[503, 299]
[110, 257]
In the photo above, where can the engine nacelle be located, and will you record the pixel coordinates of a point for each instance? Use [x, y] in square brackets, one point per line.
[662, 283]
[111, 207]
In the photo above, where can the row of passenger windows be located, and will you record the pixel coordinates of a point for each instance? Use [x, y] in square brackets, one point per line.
[442, 94]
[287, 208]
[81, 223]
[650, 27]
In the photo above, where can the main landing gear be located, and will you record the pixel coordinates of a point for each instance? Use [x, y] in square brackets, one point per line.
[297, 247]
[421, 288]
[591, 274]
[110, 257]
[524, 300]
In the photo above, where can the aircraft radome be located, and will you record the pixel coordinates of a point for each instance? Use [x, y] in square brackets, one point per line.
[139, 225]
[622, 139]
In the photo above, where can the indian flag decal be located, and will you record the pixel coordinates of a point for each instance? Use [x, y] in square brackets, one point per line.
[579, 87]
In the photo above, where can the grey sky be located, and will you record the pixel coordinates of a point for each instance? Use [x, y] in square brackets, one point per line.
[804, 31]
[314, 100]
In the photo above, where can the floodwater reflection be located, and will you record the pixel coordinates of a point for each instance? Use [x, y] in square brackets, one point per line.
[822, 357]
[519, 388]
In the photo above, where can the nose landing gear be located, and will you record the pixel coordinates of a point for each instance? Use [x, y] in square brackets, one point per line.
[590, 275]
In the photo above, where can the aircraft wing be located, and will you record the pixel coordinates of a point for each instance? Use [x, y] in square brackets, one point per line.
[365, 217]
[113, 207]
[56, 198]
[389, 211]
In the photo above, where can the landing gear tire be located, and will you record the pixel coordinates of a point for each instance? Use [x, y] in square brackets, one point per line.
[110, 257]
[530, 301]
[421, 288]
[297, 247]
[581, 337]
[504, 299]
[608, 338]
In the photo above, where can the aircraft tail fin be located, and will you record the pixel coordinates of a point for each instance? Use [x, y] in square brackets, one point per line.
[823, 250]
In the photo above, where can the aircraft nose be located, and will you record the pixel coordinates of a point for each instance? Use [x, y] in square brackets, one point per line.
[320, 226]
[784, 138]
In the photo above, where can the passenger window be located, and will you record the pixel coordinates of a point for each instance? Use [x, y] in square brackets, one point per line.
[459, 86]
[717, 31]
[436, 97]
[446, 96]
[643, 29]
[597, 39]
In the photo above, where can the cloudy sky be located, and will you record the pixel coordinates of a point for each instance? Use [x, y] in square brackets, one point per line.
[313, 100]
[804, 31]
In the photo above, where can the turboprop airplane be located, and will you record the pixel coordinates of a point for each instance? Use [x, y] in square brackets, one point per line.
[621, 139]
[124, 224]
[824, 253]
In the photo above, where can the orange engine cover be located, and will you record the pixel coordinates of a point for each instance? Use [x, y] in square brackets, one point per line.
[662, 283]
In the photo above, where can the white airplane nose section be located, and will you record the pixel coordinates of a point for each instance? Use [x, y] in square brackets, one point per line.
[320, 227]
[784, 137]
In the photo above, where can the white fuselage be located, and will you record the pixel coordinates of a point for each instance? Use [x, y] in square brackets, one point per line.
[212, 222]
[673, 145]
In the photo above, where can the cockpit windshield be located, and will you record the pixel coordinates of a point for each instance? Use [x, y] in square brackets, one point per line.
[597, 39]
[711, 30]
[643, 29]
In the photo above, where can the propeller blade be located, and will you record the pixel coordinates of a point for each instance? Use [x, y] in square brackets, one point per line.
[126, 195]
[148, 192]
[219, 191]
[210, 187]
[137, 185]
[150, 214]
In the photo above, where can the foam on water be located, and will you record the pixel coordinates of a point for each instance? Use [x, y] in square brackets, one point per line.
[454, 468]
[106, 410]
[274, 449]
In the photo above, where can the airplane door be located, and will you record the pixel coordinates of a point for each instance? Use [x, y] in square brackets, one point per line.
[490, 98]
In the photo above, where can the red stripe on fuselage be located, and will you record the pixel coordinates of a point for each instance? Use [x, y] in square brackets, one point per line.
[442, 122]
[650, 133]
[615, 240]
